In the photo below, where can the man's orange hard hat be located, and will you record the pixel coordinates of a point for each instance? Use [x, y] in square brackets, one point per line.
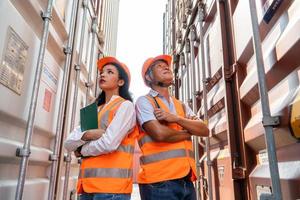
[111, 60]
[150, 61]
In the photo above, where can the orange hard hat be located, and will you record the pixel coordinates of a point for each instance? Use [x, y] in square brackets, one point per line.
[111, 60]
[150, 61]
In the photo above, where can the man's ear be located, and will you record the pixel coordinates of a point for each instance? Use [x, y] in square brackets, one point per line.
[148, 78]
[121, 82]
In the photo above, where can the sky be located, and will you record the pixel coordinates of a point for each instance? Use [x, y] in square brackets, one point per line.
[140, 36]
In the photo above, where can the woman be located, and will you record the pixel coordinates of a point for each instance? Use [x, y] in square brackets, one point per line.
[106, 168]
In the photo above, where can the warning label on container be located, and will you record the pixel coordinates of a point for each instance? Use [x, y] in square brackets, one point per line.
[13, 61]
[47, 100]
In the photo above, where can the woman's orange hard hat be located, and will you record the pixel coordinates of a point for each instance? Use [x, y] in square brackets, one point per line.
[147, 64]
[111, 60]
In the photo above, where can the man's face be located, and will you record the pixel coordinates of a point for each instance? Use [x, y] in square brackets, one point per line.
[162, 72]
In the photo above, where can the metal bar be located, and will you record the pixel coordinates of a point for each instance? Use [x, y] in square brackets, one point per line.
[182, 63]
[91, 63]
[173, 19]
[68, 160]
[232, 103]
[195, 138]
[200, 141]
[201, 7]
[97, 12]
[55, 155]
[263, 92]
[78, 64]
[101, 15]
[191, 21]
[100, 55]
[187, 51]
[173, 40]
[92, 13]
[25, 151]
[164, 34]
[74, 105]
[68, 52]
[176, 66]
[77, 68]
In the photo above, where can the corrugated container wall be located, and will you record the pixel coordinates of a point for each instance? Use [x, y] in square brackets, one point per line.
[240, 167]
[20, 38]
[109, 26]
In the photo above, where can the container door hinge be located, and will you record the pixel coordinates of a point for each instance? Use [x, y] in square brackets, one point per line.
[21, 152]
[67, 158]
[239, 173]
[270, 121]
[46, 15]
[67, 50]
[89, 84]
[230, 71]
[77, 67]
[53, 157]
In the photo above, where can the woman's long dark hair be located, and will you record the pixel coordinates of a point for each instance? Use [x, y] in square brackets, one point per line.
[123, 90]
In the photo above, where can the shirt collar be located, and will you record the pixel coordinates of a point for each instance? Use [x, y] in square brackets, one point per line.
[154, 93]
[114, 97]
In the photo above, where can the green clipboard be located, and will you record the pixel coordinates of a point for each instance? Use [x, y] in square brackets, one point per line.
[89, 117]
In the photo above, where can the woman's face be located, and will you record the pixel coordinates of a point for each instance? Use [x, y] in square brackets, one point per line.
[109, 78]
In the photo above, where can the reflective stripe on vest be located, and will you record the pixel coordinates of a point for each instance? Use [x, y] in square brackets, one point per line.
[177, 153]
[126, 148]
[106, 173]
[146, 139]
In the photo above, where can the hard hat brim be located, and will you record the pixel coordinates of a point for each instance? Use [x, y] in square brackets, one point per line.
[110, 60]
[106, 60]
[150, 61]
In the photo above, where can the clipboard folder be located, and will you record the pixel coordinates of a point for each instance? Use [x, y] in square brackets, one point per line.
[89, 117]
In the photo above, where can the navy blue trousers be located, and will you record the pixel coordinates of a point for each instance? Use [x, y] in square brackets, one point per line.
[178, 189]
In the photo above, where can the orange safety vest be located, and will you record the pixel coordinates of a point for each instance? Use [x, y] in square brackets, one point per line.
[161, 161]
[112, 172]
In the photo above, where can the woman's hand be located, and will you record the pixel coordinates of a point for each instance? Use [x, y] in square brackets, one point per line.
[162, 115]
[77, 153]
[93, 134]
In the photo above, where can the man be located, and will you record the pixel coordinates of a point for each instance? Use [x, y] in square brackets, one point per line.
[166, 126]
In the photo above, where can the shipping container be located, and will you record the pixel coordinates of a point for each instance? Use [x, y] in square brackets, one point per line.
[21, 38]
[223, 46]
[48, 52]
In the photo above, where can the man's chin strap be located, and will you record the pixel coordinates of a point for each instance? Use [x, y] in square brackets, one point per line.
[161, 84]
